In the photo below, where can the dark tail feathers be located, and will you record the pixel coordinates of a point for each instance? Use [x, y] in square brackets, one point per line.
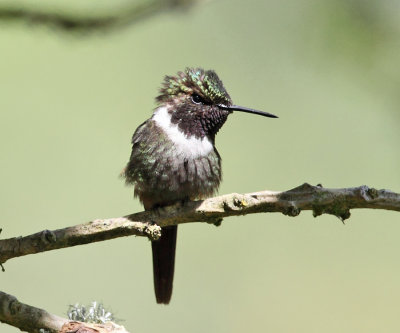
[163, 264]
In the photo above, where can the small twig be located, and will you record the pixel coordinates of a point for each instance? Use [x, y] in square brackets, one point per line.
[320, 200]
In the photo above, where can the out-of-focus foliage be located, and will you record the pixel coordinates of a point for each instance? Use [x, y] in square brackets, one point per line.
[365, 34]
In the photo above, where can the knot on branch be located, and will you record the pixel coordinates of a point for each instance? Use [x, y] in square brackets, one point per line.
[368, 193]
[14, 307]
[48, 236]
[373, 193]
[153, 231]
[291, 210]
[342, 213]
[235, 202]
[331, 203]
[304, 188]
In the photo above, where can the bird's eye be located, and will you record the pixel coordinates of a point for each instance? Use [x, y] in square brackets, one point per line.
[197, 99]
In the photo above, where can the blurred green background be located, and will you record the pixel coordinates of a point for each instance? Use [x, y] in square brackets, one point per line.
[330, 70]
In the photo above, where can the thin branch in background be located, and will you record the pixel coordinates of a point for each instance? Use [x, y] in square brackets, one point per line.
[74, 22]
[319, 200]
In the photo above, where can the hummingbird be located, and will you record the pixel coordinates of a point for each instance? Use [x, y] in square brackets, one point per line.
[174, 158]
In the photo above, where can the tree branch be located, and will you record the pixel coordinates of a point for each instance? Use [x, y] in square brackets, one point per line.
[70, 22]
[27, 318]
[31, 319]
[320, 200]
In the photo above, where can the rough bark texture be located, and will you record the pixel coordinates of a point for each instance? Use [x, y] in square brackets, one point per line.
[320, 200]
[27, 318]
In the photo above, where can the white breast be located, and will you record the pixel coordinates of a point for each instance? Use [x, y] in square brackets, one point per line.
[187, 146]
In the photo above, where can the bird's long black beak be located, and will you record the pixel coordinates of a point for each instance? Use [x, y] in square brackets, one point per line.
[248, 110]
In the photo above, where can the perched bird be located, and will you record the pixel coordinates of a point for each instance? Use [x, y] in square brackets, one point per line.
[174, 158]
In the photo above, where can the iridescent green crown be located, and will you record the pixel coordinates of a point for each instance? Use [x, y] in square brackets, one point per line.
[194, 81]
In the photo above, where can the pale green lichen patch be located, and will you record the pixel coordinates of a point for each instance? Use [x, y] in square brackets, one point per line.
[94, 313]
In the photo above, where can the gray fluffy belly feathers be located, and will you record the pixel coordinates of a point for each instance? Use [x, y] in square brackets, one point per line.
[166, 166]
